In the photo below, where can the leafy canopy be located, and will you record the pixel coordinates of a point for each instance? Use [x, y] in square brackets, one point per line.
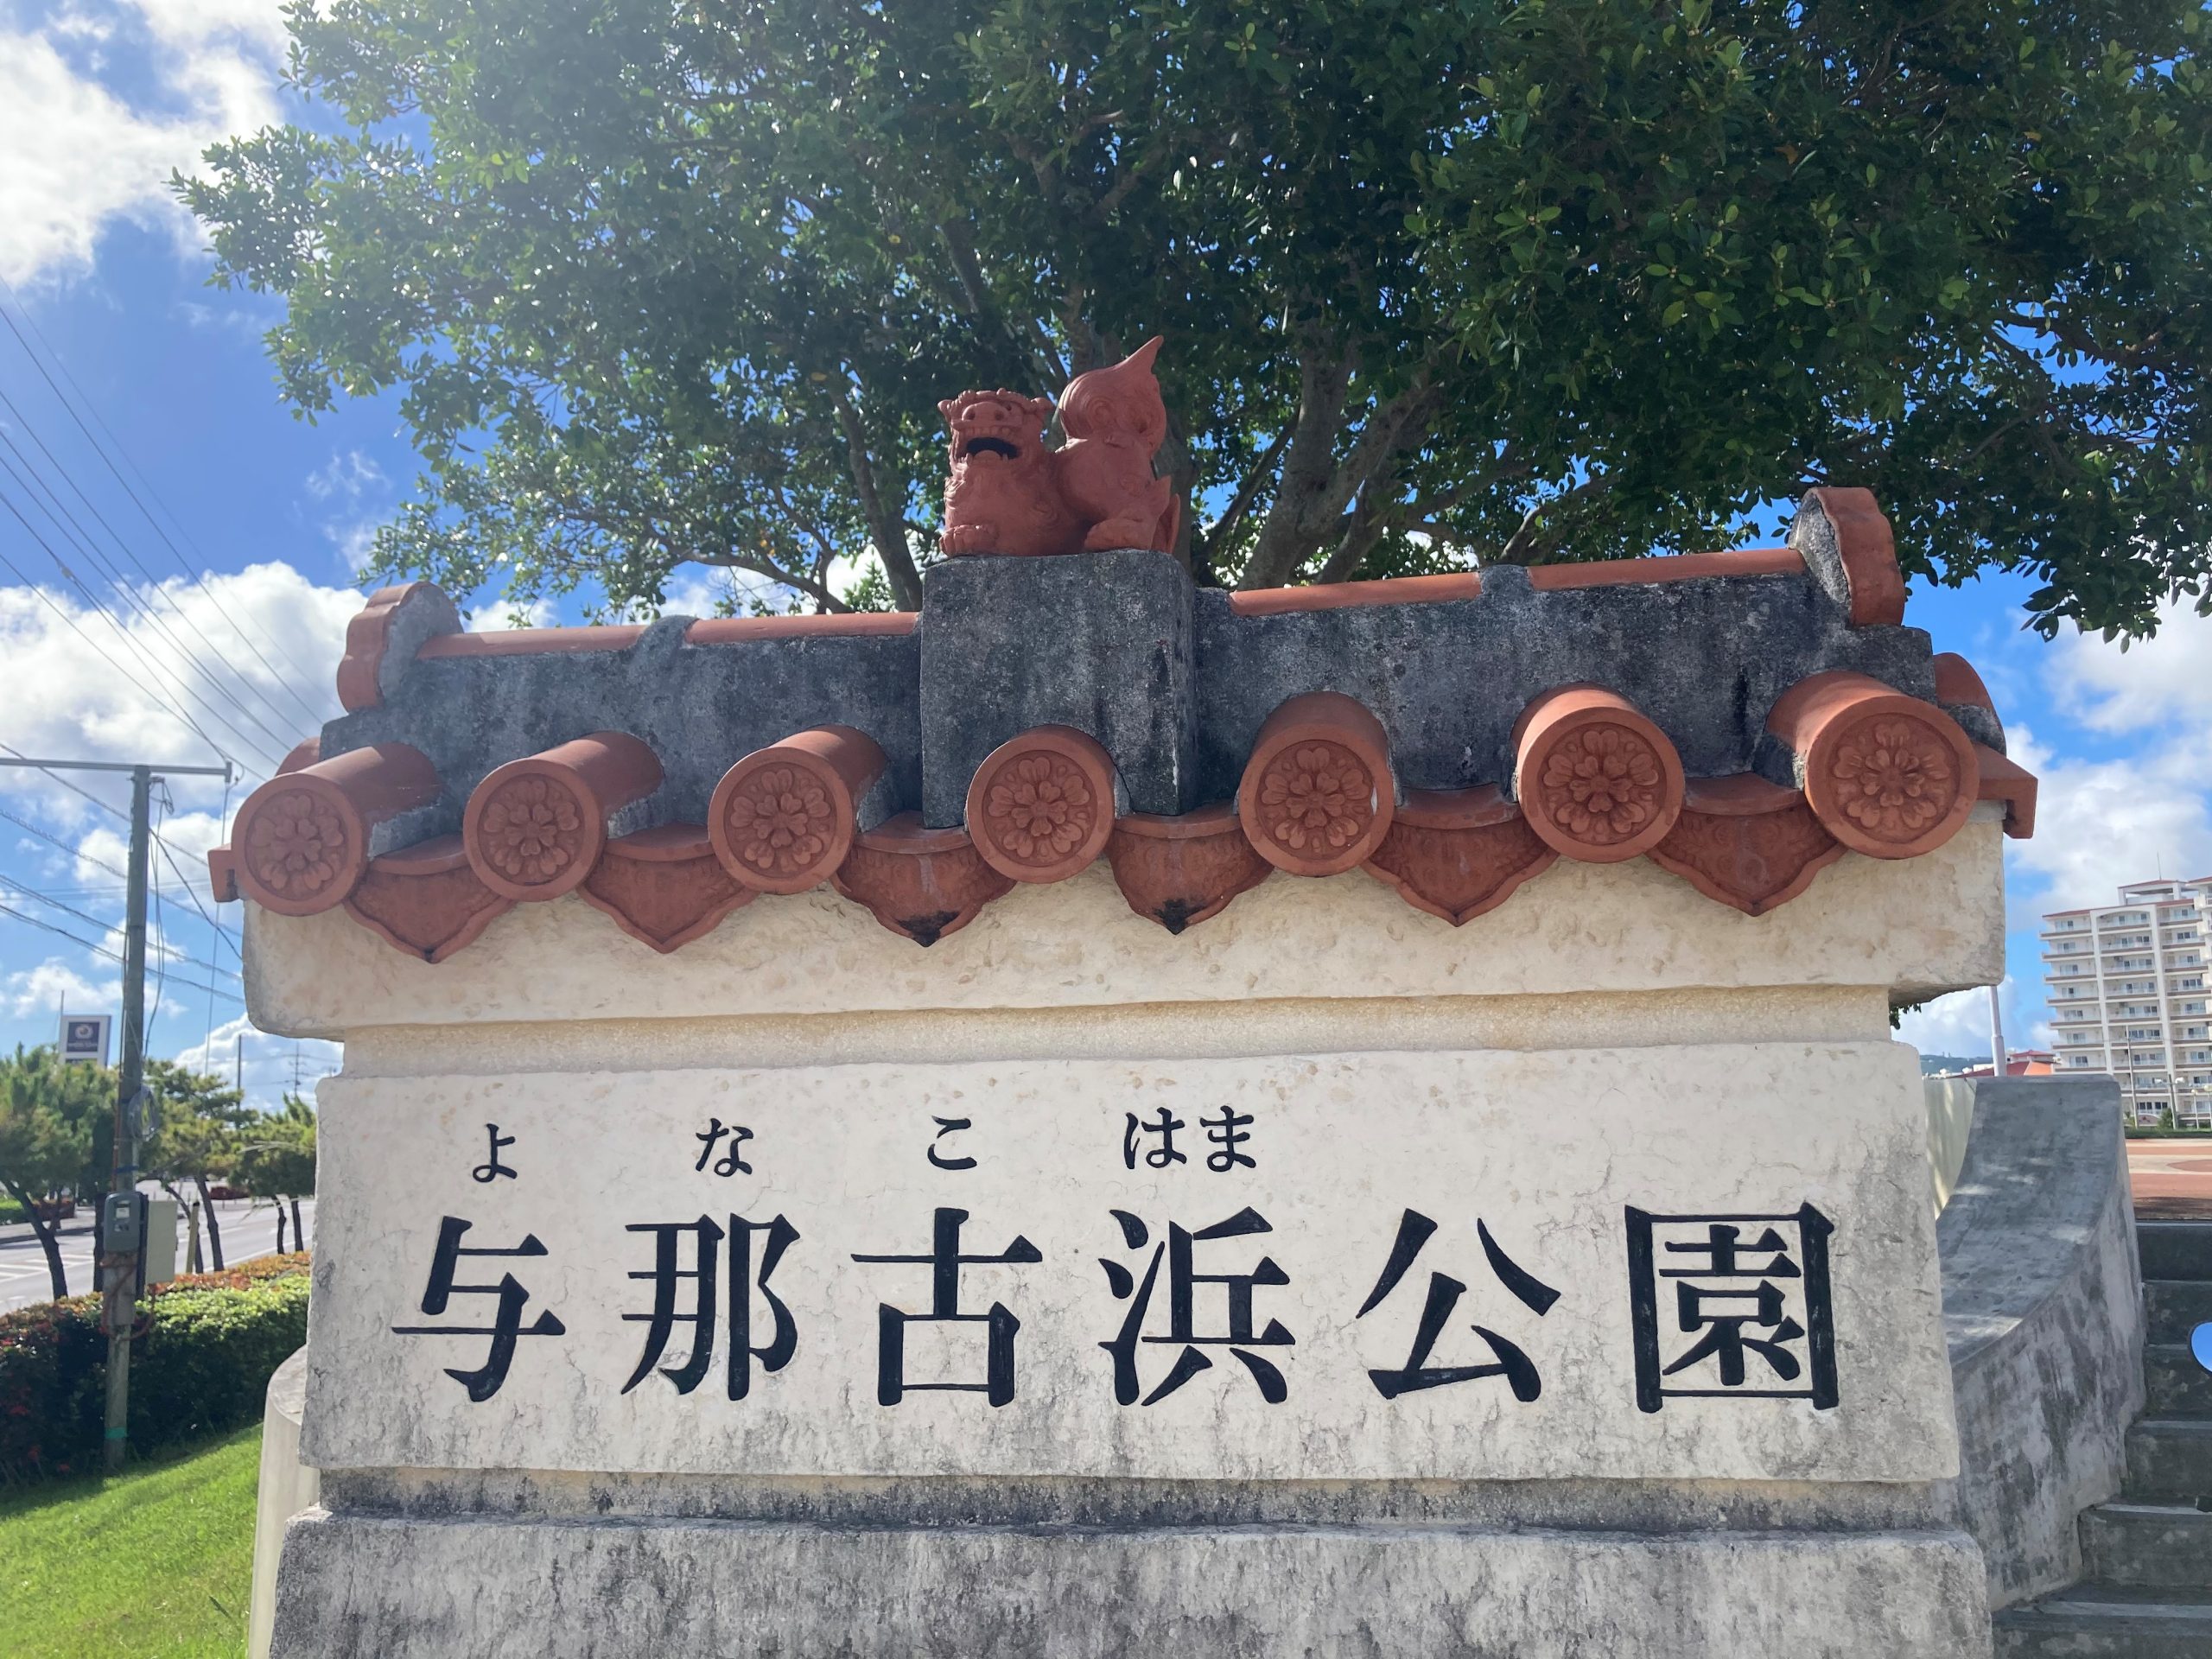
[274, 1154]
[1466, 279]
[48, 1111]
[202, 1120]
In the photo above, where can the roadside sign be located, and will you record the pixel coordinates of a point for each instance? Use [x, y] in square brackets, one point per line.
[83, 1037]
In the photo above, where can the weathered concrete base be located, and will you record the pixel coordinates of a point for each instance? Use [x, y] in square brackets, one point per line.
[393, 1586]
[287, 1486]
[2043, 1306]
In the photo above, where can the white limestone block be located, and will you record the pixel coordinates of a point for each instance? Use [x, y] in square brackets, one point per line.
[1547, 1150]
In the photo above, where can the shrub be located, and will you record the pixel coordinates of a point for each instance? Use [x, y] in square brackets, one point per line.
[209, 1343]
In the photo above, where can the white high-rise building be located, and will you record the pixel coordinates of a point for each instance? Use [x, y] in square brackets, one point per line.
[2127, 996]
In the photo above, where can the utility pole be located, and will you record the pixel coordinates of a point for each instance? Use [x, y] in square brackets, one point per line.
[124, 1238]
[1997, 1055]
[121, 1301]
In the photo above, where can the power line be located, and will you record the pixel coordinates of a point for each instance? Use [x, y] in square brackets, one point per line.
[56, 841]
[115, 811]
[90, 408]
[155, 586]
[183, 882]
[27, 892]
[102, 951]
[168, 848]
[73, 531]
[191, 893]
[115, 625]
[71, 622]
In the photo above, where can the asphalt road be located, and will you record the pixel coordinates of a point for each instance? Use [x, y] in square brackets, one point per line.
[249, 1230]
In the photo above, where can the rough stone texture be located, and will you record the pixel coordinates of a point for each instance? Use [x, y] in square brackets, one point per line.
[1341, 1147]
[1175, 686]
[1101, 643]
[497, 1589]
[950, 1500]
[1981, 724]
[1748, 1055]
[701, 708]
[286, 1487]
[2042, 1309]
[1704, 659]
[1910, 927]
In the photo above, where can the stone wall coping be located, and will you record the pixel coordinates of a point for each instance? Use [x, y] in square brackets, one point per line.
[1742, 718]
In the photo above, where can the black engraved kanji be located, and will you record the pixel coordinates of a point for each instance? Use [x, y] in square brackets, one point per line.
[944, 1262]
[506, 1319]
[1507, 1359]
[1178, 1252]
[1750, 1318]
[668, 1277]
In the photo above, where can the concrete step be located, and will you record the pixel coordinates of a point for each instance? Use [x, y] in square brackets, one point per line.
[2103, 1621]
[2169, 1460]
[2175, 1250]
[2176, 1306]
[2173, 1383]
[2152, 1545]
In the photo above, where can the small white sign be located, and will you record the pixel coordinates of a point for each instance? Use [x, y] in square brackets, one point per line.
[83, 1037]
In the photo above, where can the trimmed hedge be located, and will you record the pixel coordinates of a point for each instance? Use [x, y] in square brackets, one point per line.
[211, 1342]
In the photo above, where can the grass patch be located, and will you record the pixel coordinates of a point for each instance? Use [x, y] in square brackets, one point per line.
[159, 1560]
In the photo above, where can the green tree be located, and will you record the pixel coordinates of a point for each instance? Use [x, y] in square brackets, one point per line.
[275, 1160]
[47, 1113]
[663, 284]
[202, 1120]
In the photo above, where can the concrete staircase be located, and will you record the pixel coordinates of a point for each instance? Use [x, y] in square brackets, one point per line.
[2148, 1553]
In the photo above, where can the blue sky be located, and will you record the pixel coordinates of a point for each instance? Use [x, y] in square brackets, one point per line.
[253, 522]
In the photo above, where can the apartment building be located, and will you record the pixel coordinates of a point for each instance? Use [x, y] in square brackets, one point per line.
[2127, 996]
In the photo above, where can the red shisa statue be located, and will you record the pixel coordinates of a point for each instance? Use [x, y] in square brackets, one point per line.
[1008, 494]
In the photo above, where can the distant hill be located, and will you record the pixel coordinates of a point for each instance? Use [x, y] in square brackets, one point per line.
[1931, 1063]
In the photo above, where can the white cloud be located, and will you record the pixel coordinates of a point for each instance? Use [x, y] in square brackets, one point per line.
[500, 615]
[82, 688]
[269, 1065]
[2165, 679]
[52, 985]
[80, 157]
[349, 474]
[1959, 1023]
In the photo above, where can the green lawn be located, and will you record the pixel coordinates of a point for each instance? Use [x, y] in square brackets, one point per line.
[158, 1561]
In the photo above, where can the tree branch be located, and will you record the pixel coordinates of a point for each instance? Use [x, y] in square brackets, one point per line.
[1532, 544]
[1218, 532]
[887, 530]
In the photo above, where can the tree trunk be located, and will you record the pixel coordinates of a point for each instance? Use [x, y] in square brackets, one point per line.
[280, 1226]
[1308, 468]
[214, 1227]
[299, 1228]
[1315, 492]
[46, 1241]
[884, 509]
[191, 1226]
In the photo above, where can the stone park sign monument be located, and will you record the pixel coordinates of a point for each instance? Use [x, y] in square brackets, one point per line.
[1393, 1146]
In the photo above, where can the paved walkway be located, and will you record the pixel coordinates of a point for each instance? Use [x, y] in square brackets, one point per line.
[2172, 1179]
